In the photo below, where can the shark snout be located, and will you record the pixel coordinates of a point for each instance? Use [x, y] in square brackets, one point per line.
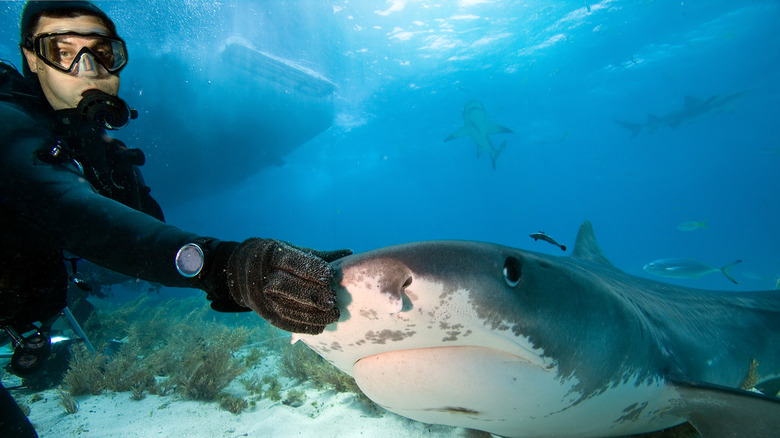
[378, 282]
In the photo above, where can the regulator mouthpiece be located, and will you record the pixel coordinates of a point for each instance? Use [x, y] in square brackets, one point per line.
[105, 110]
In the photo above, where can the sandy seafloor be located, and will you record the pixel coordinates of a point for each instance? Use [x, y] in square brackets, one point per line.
[116, 415]
[325, 413]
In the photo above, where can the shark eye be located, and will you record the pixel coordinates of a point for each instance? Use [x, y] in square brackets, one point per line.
[512, 271]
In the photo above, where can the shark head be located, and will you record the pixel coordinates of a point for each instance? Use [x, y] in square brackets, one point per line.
[474, 113]
[489, 337]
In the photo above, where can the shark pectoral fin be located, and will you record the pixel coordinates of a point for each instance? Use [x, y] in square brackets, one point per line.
[717, 411]
[460, 133]
[494, 128]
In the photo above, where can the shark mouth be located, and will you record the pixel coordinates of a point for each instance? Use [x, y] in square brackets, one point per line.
[474, 385]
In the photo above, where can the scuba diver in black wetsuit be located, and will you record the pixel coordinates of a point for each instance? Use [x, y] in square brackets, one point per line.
[65, 185]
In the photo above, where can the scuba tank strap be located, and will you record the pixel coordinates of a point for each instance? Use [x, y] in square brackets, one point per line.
[15, 88]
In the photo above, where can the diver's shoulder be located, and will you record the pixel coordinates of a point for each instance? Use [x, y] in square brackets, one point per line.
[19, 101]
[14, 117]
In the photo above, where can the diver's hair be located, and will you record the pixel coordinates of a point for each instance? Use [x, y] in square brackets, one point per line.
[68, 13]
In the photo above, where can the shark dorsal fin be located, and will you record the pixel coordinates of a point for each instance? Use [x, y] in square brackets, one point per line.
[586, 247]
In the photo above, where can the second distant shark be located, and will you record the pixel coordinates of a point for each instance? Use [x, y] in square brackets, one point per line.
[692, 108]
[477, 127]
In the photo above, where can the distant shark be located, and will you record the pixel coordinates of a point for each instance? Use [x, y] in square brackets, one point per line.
[692, 108]
[479, 128]
[522, 344]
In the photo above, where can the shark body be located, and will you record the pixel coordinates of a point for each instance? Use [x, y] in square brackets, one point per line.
[477, 127]
[522, 344]
[692, 109]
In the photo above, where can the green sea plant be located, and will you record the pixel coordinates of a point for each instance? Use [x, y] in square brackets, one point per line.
[210, 376]
[150, 331]
[24, 407]
[137, 392]
[172, 342]
[301, 363]
[253, 385]
[253, 357]
[68, 402]
[127, 370]
[232, 339]
[294, 398]
[165, 386]
[232, 404]
[85, 372]
[274, 388]
[208, 366]
[103, 326]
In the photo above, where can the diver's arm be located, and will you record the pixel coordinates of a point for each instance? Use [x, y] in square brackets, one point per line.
[65, 207]
[286, 285]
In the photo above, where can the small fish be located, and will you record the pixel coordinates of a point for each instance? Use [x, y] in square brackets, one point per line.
[686, 268]
[692, 225]
[546, 238]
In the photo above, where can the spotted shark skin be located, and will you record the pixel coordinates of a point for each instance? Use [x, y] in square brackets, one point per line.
[523, 344]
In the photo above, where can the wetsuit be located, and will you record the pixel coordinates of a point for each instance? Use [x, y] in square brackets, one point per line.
[68, 186]
[90, 200]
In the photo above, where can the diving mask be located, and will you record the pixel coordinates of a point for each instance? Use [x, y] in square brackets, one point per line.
[71, 52]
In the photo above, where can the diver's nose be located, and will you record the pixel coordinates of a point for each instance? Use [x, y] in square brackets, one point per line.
[88, 67]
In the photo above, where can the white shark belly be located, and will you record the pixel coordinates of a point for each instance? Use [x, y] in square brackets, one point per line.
[485, 389]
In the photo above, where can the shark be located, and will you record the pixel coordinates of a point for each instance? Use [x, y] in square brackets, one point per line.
[523, 344]
[477, 127]
[693, 107]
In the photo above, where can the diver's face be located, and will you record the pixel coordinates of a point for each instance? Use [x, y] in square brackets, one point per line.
[63, 90]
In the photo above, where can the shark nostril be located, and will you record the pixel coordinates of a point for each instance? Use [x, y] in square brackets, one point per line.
[407, 304]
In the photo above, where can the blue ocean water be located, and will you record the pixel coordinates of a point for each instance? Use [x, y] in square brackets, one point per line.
[557, 73]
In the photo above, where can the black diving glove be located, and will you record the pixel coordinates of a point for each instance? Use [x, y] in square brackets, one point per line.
[288, 286]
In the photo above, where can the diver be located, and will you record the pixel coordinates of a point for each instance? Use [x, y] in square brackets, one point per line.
[66, 185]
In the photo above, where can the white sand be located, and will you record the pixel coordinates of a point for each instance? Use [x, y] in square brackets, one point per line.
[324, 414]
[337, 415]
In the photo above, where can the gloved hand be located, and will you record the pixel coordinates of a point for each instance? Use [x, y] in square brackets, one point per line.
[286, 285]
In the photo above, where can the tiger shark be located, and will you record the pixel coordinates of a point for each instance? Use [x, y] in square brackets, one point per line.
[523, 344]
[693, 107]
[477, 127]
